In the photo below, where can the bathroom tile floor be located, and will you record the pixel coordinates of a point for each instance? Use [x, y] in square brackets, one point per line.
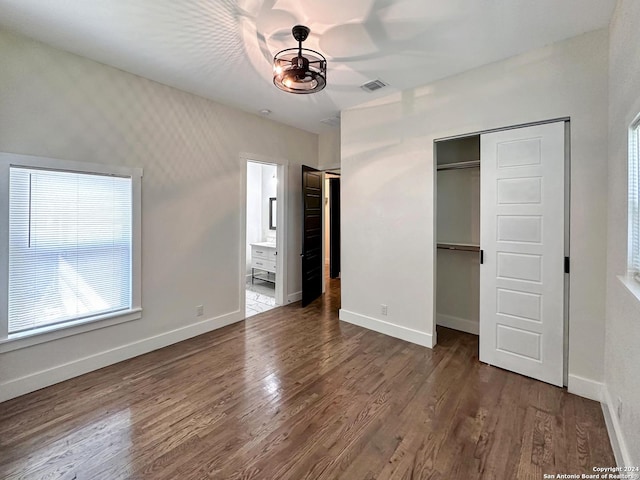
[260, 297]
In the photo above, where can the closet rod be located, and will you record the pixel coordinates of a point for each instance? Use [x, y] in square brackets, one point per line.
[459, 165]
[465, 247]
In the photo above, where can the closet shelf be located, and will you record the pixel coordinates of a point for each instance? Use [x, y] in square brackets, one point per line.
[465, 247]
[459, 165]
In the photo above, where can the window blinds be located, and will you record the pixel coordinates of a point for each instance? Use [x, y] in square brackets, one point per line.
[69, 246]
[634, 201]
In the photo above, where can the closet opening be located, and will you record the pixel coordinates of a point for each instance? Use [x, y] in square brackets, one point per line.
[502, 238]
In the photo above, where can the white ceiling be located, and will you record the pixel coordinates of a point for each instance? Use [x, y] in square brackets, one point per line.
[222, 49]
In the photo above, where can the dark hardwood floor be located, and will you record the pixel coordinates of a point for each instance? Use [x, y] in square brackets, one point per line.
[295, 394]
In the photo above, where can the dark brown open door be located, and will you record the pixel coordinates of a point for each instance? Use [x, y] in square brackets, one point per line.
[312, 207]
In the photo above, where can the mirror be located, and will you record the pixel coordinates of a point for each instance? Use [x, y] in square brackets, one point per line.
[272, 213]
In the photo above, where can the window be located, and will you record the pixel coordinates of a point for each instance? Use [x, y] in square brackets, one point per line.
[634, 200]
[72, 252]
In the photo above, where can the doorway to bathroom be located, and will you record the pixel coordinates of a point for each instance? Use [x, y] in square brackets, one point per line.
[263, 282]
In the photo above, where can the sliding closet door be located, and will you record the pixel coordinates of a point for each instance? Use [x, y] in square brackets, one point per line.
[522, 238]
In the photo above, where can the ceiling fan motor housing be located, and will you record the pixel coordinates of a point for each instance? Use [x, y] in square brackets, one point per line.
[299, 70]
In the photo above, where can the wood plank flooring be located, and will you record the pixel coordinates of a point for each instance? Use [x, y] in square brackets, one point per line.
[295, 394]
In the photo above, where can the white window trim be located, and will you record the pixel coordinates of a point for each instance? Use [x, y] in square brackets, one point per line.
[53, 332]
[631, 284]
[630, 280]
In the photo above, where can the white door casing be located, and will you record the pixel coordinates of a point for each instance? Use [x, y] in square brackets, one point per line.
[522, 237]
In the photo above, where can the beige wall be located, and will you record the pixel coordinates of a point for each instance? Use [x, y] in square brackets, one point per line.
[59, 105]
[329, 149]
[388, 188]
[622, 358]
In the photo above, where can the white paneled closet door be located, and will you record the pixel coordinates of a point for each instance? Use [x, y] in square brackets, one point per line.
[522, 237]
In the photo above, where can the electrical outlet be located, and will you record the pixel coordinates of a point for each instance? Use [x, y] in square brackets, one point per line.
[384, 309]
[199, 310]
[619, 407]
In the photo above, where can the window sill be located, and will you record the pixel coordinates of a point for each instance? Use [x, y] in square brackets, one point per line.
[47, 334]
[632, 286]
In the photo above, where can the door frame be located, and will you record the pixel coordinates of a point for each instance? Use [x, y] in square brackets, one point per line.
[325, 177]
[282, 172]
[335, 224]
[567, 221]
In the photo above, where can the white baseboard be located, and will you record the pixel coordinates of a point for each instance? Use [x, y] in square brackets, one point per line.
[294, 297]
[585, 387]
[618, 444]
[391, 329]
[457, 323]
[35, 381]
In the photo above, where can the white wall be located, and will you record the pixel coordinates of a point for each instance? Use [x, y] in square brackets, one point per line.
[254, 208]
[56, 104]
[622, 357]
[269, 190]
[329, 149]
[388, 187]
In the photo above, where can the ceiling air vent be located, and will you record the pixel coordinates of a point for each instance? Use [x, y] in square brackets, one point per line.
[373, 85]
[332, 121]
